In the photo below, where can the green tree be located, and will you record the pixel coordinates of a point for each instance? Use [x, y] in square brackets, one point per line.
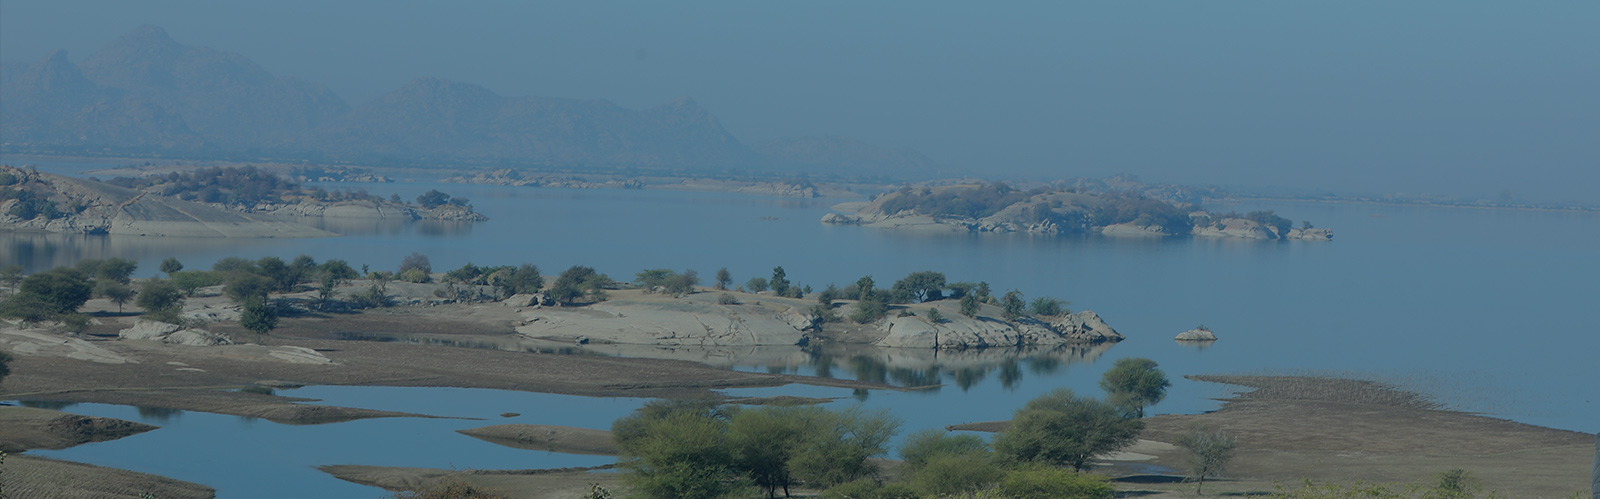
[756, 284]
[677, 449]
[947, 475]
[11, 274]
[1045, 306]
[1135, 383]
[170, 266]
[115, 269]
[649, 279]
[1012, 306]
[922, 446]
[160, 299]
[417, 261]
[326, 289]
[339, 269]
[433, 199]
[191, 281]
[724, 279]
[682, 284]
[62, 290]
[259, 316]
[864, 287]
[1209, 452]
[1055, 483]
[282, 276]
[969, 305]
[779, 282]
[243, 287]
[524, 279]
[1062, 429]
[117, 292]
[934, 316]
[841, 444]
[5, 366]
[869, 309]
[579, 282]
[304, 269]
[982, 290]
[923, 286]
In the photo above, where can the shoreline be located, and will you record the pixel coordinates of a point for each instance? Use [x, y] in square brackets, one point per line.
[1296, 428]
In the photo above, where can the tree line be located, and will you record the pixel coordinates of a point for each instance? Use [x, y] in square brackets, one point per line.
[704, 449]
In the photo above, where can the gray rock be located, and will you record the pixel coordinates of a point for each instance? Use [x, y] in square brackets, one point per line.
[149, 330]
[1197, 334]
[958, 331]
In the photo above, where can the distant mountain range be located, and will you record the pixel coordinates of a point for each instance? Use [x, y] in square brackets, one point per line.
[146, 94]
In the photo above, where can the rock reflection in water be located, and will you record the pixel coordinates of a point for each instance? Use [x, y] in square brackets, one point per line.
[906, 367]
[914, 367]
[157, 414]
[46, 404]
[389, 226]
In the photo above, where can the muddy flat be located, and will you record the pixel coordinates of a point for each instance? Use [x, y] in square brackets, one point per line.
[551, 438]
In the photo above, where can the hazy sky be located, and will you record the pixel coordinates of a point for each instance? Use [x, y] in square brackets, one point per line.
[1458, 97]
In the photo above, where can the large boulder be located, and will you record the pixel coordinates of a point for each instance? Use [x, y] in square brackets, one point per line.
[1085, 326]
[149, 330]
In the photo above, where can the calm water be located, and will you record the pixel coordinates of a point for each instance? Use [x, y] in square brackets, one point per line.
[1488, 311]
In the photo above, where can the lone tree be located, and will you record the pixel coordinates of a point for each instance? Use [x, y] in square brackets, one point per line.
[1062, 429]
[779, 282]
[117, 292]
[922, 286]
[1209, 452]
[724, 279]
[50, 294]
[171, 265]
[5, 369]
[1135, 383]
[969, 305]
[1012, 305]
[161, 300]
[258, 316]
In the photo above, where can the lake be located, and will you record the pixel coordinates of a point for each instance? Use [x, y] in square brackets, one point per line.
[1485, 310]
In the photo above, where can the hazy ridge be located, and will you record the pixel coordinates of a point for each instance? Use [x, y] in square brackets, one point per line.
[147, 94]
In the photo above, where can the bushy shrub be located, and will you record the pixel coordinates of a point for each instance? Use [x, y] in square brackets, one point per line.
[415, 275]
[1055, 483]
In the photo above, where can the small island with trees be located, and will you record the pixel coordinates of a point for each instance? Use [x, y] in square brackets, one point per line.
[209, 202]
[998, 207]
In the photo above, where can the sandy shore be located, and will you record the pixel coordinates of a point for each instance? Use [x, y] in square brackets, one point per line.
[1290, 429]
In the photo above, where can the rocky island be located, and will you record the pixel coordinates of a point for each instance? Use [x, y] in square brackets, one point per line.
[778, 188]
[997, 207]
[211, 202]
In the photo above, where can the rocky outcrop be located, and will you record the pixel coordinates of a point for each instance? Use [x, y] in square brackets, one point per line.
[1132, 229]
[956, 331]
[1237, 227]
[149, 330]
[370, 209]
[83, 206]
[1197, 334]
[1311, 234]
[695, 320]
